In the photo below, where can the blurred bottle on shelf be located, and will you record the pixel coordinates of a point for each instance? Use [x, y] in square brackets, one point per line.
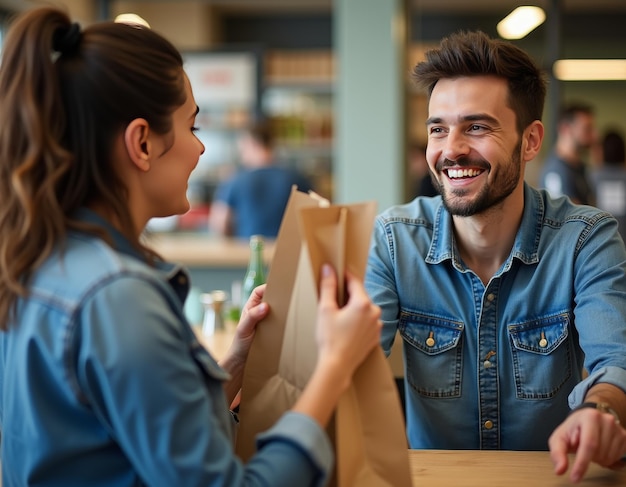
[213, 303]
[233, 307]
[255, 274]
[193, 308]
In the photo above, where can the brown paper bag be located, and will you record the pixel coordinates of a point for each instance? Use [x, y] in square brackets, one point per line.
[368, 428]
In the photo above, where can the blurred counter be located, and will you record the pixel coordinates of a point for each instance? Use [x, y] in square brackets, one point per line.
[213, 262]
[202, 250]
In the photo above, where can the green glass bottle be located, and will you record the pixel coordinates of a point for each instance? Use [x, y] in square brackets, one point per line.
[255, 275]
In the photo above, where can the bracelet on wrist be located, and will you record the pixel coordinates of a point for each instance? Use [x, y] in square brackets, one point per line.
[600, 406]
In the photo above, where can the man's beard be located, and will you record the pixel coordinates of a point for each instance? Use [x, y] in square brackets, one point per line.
[490, 195]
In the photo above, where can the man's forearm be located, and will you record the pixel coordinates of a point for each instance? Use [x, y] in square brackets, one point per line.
[613, 396]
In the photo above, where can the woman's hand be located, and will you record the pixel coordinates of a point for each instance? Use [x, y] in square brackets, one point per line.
[346, 335]
[253, 311]
[235, 359]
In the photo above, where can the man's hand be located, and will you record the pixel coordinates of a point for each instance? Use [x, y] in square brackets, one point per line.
[593, 435]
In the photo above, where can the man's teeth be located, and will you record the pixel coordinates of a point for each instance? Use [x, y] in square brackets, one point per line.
[463, 173]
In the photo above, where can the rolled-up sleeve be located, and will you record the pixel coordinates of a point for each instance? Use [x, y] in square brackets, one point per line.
[610, 375]
[303, 433]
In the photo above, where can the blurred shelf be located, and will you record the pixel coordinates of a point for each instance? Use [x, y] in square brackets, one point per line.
[312, 67]
[307, 85]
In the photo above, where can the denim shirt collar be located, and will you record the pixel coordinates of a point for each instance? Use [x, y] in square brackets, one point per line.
[525, 247]
[175, 274]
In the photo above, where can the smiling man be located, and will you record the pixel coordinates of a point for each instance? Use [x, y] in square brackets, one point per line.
[501, 294]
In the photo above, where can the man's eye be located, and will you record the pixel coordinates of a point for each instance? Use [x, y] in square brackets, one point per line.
[195, 129]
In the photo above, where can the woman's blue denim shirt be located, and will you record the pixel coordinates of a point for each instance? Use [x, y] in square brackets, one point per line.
[102, 382]
[493, 367]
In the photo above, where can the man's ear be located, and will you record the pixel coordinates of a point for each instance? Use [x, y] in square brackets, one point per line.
[533, 137]
[137, 141]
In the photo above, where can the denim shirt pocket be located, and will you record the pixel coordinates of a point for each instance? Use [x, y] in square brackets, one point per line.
[433, 354]
[542, 361]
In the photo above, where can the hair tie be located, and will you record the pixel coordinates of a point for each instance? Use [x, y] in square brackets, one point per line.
[65, 41]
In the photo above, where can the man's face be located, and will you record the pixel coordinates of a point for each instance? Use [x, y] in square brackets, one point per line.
[473, 144]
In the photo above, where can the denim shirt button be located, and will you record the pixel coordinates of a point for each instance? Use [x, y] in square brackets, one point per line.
[488, 424]
[487, 363]
[491, 297]
[430, 341]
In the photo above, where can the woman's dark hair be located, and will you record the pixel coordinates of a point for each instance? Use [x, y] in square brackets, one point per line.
[475, 54]
[64, 97]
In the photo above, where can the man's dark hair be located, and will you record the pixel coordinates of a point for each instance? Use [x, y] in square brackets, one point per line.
[613, 148]
[476, 54]
[261, 131]
[568, 112]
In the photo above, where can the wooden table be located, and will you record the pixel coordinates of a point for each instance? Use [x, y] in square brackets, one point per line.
[470, 468]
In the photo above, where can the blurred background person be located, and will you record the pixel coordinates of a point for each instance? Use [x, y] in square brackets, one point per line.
[609, 179]
[253, 201]
[565, 172]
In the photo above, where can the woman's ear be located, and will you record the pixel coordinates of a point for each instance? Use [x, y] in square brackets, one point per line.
[136, 139]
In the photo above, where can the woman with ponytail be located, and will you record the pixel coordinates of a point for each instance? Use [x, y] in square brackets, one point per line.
[102, 381]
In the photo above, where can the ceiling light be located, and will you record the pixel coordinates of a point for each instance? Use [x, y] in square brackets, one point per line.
[132, 19]
[520, 22]
[590, 69]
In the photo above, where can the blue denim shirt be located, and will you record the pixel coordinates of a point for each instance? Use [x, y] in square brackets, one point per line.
[102, 382]
[493, 367]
